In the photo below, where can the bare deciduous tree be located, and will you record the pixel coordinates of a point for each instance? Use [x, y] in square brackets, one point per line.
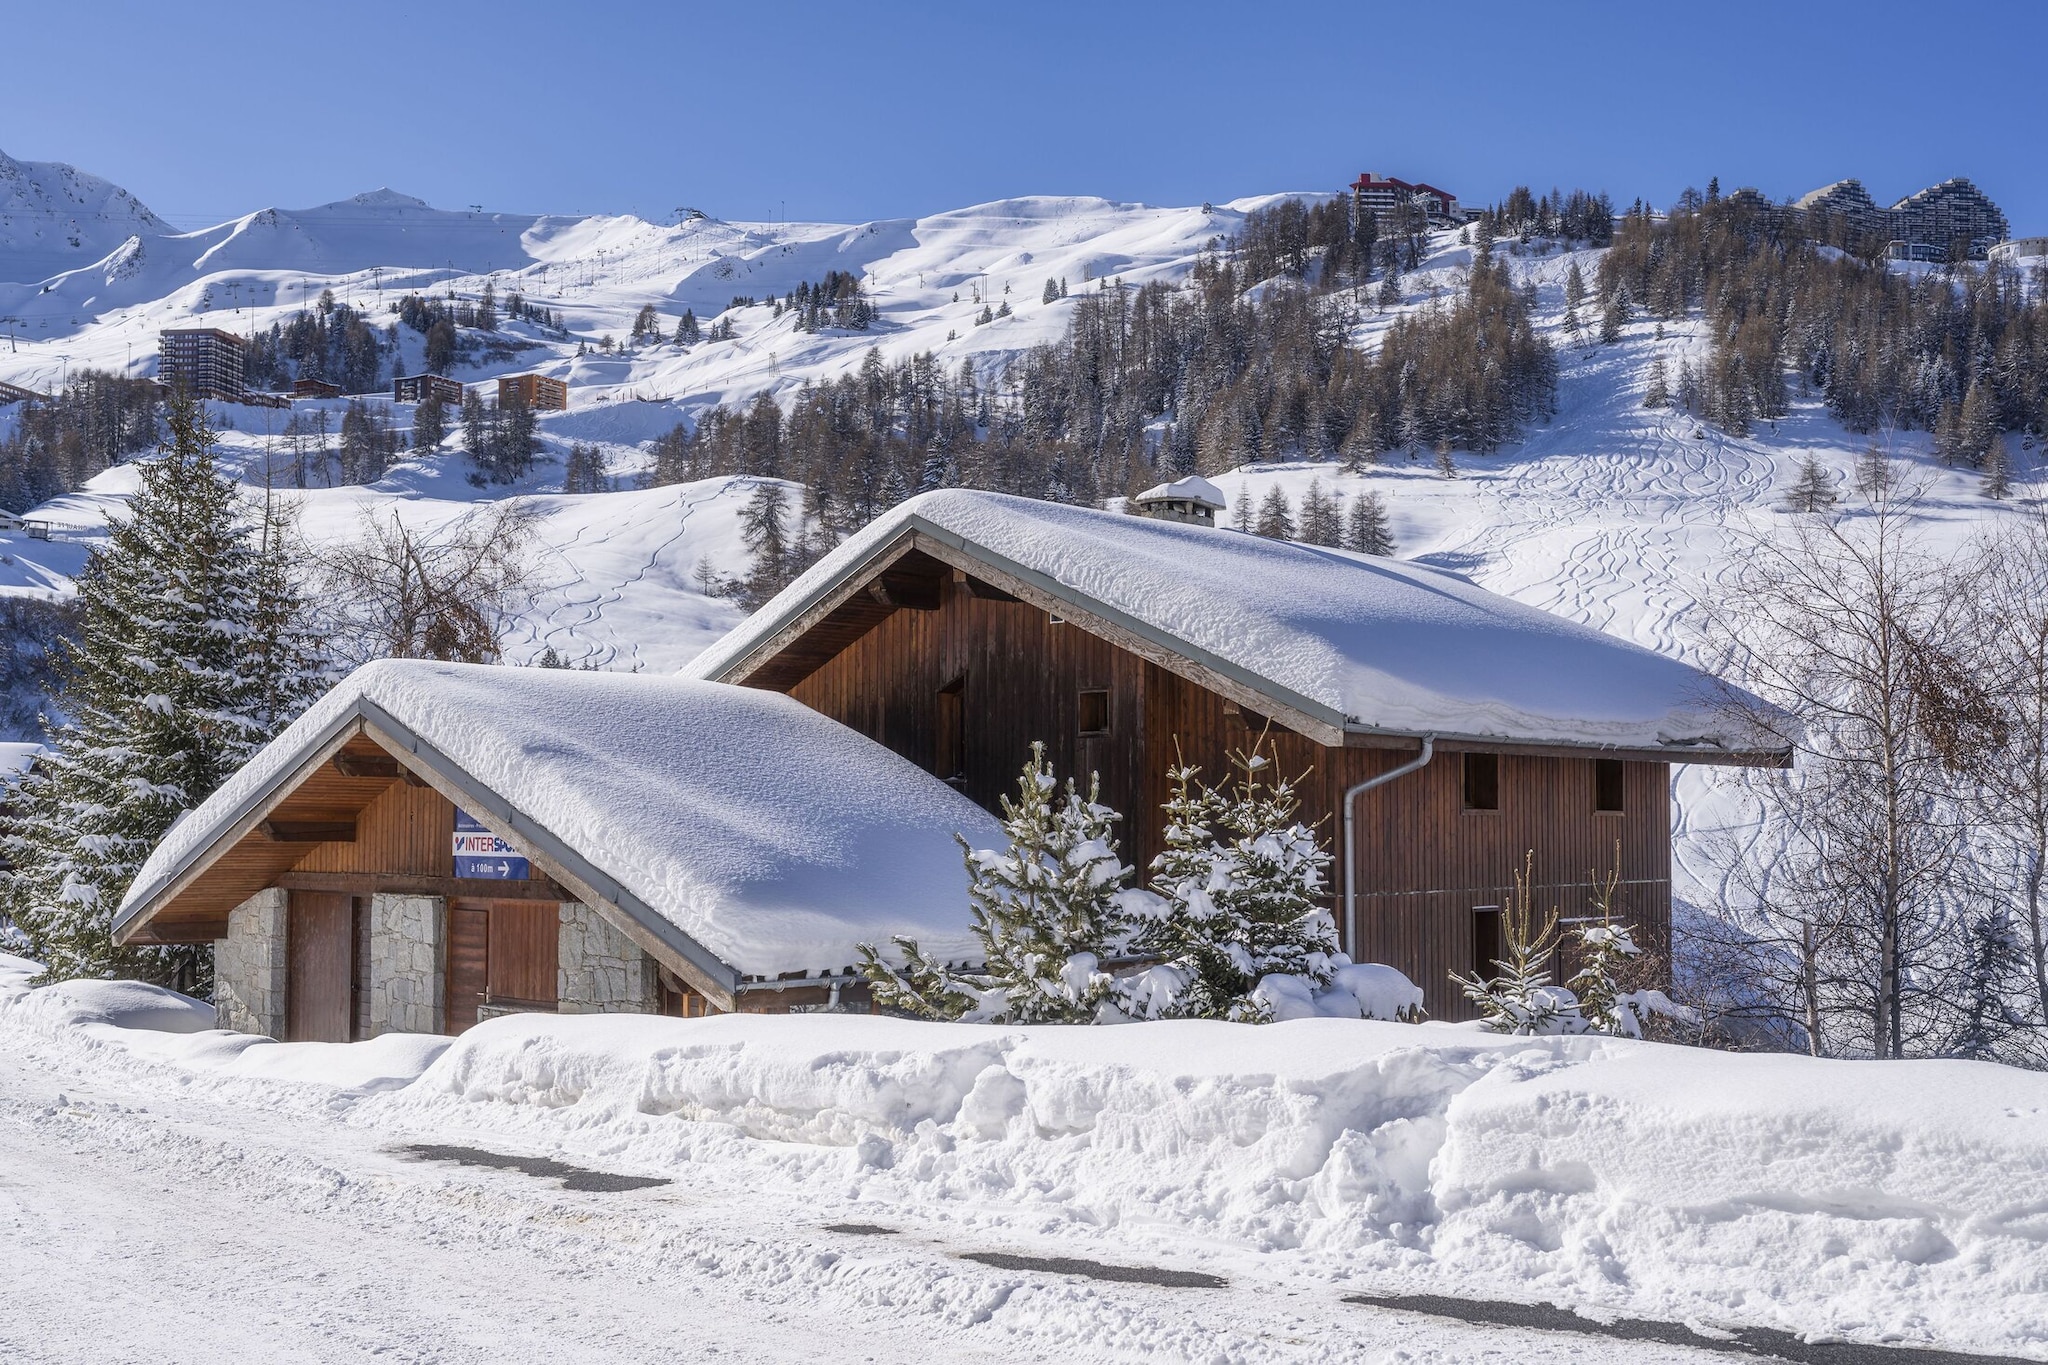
[400, 592]
[1858, 927]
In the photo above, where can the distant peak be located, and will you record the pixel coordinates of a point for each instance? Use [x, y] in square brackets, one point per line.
[386, 198]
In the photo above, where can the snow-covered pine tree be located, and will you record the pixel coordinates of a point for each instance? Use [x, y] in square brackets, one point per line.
[1239, 890]
[1446, 464]
[192, 648]
[1574, 287]
[1047, 911]
[1241, 510]
[1366, 529]
[1996, 969]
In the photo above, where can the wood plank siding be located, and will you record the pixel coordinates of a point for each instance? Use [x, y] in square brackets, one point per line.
[962, 682]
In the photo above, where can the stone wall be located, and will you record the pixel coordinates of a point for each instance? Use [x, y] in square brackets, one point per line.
[249, 965]
[601, 971]
[408, 961]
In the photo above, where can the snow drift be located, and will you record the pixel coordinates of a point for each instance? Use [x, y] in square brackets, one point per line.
[1878, 1201]
[1896, 1202]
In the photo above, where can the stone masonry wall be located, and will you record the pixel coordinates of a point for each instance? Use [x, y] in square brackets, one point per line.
[408, 959]
[249, 965]
[601, 971]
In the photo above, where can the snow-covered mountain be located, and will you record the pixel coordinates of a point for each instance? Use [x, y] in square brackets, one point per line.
[55, 217]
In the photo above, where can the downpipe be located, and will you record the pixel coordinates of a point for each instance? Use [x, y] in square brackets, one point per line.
[1351, 796]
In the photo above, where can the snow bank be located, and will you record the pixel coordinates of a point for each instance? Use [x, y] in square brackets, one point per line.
[1904, 1201]
[132, 1019]
[1363, 641]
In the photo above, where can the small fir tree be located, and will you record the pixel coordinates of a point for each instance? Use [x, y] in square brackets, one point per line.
[429, 425]
[1321, 521]
[1997, 483]
[1238, 898]
[1241, 510]
[1276, 515]
[1366, 530]
[1047, 911]
[1657, 392]
[1518, 997]
[1813, 490]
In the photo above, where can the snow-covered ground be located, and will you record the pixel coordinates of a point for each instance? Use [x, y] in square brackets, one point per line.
[243, 1199]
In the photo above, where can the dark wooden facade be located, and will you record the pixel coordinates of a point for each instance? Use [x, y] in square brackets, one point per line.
[960, 678]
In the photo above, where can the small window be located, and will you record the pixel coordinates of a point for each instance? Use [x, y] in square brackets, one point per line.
[1094, 711]
[1482, 781]
[1608, 774]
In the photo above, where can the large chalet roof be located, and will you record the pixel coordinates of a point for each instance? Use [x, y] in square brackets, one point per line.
[1346, 648]
[734, 832]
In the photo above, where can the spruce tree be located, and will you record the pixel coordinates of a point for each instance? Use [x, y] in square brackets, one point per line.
[429, 425]
[1241, 510]
[1321, 522]
[1997, 471]
[192, 649]
[1657, 393]
[1366, 529]
[1048, 912]
[764, 530]
[1276, 515]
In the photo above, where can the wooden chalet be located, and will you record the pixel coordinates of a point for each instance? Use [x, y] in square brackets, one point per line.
[1442, 733]
[434, 844]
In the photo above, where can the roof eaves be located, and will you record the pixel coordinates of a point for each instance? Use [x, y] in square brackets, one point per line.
[245, 816]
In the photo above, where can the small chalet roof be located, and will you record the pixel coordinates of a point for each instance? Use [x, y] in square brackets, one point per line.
[738, 830]
[1341, 646]
[1191, 489]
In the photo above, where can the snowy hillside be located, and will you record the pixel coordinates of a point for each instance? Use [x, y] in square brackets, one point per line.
[1617, 516]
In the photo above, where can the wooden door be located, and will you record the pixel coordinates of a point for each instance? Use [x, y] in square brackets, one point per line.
[469, 952]
[319, 968]
[525, 949]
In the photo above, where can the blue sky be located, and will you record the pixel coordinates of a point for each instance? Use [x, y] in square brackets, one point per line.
[850, 111]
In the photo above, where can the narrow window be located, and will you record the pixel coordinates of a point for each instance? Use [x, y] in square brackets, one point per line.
[1487, 948]
[1607, 785]
[1094, 711]
[1482, 781]
[949, 733]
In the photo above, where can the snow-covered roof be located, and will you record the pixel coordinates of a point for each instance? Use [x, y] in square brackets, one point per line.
[726, 821]
[1193, 488]
[1335, 642]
